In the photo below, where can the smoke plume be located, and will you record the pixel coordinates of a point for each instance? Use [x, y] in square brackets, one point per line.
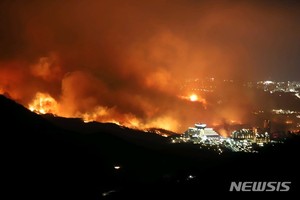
[125, 61]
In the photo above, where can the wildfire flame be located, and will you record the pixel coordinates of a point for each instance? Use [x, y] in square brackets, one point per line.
[195, 98]
[43, 103]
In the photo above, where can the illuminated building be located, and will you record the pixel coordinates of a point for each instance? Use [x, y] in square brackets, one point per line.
[243, 134]
[255, 135]
[262, 138]
[200, 131]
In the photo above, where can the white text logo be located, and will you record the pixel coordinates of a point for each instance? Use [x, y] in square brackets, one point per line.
[260, 186]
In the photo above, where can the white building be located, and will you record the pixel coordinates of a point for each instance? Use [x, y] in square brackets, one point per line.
[200, 131]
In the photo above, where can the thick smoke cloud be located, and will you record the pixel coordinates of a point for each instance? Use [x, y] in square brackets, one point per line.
[125, 60]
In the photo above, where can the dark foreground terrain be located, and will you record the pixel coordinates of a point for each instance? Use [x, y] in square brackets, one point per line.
[48, 157]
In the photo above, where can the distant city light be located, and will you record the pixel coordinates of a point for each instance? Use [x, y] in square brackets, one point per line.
[108, 193]
[117, 167]
[281, 111]
[268, 82]
[191, 177]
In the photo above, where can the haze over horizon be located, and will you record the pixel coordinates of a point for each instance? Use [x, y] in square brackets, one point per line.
[123, 61]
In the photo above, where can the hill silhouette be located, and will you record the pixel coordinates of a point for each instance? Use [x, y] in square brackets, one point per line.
[49, 157]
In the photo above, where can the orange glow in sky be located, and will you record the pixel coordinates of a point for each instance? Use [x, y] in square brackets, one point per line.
[128, 62]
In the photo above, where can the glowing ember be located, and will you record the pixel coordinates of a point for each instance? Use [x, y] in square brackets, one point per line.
[193, 97]
[43, 103]
[232, 121]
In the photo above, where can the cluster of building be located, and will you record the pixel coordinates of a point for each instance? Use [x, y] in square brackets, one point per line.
[256, 135]
[203, 136]
[245, 140]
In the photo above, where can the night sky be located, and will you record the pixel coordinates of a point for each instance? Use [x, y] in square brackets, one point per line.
[127, 58]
